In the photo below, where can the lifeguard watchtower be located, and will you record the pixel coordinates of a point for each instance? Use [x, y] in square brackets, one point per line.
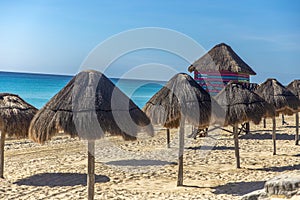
[218, 66]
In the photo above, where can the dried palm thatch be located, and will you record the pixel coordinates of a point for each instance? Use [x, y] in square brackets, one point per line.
[294, 87]
[221, 58]
[89, 106]
[276, 94]
[15, 115]
[180, 96]
[241, 105]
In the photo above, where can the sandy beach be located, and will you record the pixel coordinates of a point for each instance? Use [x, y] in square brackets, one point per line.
[146, 169]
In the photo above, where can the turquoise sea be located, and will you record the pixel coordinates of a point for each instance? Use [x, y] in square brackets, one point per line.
[37, 89]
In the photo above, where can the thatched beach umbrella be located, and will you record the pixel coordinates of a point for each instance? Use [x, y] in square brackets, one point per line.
[180, 100]
[294, 87]
[89, 106]
[241, 105]
[15, 117]
[284, 101]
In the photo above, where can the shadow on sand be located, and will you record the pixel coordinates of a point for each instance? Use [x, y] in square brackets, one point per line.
[191, 186]
[257, 136]
[289, 126]
[59, 179]
[239, 188]
[260, 130]
[280, 169]
[210, 147]
[141, 163]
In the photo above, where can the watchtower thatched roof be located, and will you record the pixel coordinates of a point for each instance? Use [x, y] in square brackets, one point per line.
[241, 105]
[180, 96]
[279, 96]
[294, 87]
[221, 58]
[89, 106]
[15, 115]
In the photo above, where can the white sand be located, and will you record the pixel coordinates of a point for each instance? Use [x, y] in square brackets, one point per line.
[145, 169]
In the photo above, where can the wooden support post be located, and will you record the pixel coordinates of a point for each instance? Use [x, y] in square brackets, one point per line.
[236, 146]
[2, 143]
[168, 138]
[180, 153]
[91, 169]
[282, 121]
[297, 129]
[247, 127]
[274, 135]
[265, 123]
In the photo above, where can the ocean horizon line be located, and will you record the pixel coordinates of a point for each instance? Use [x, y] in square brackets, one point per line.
[70, 75]
[37, 89]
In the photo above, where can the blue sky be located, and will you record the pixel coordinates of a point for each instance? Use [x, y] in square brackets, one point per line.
[55, 36]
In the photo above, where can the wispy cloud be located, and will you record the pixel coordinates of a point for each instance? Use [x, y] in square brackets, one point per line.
[280, 41]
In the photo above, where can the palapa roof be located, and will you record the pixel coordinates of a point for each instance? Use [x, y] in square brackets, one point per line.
[15, 115]
[180, 96]
[241, 105]
[294, 87]
[276, 94]
[89, 106]
[221, 58]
